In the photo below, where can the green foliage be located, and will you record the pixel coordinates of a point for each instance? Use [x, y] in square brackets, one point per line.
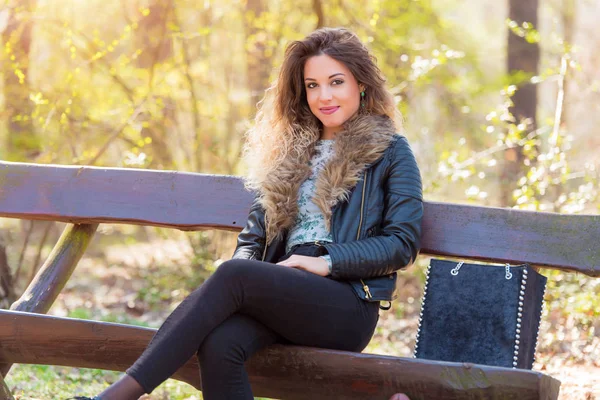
[526, 30]
[547, 182]
[149, 86]
[570, 295]
[119, 318]
[49, 382]
[173, 85]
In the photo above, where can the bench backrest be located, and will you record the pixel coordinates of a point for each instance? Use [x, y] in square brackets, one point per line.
[190, 201]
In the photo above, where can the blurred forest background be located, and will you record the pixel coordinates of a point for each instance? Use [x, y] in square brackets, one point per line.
[501, 102]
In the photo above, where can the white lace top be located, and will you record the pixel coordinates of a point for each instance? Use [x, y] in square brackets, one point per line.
[310, 223]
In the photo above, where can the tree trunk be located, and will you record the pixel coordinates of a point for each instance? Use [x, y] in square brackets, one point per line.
[22, 144]
[258, 63]
[152, 35]
[318, 9]
[521, 56]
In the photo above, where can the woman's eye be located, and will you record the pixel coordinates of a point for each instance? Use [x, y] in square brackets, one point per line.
[338, 82]
[311, 85]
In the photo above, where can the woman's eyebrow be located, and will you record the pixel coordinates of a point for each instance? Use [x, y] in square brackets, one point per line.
[331, 76]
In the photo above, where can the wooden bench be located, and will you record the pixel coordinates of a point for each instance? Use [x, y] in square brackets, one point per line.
[86, 196]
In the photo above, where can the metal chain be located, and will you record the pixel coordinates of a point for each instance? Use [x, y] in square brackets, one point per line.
[455, 270]
[508, 273]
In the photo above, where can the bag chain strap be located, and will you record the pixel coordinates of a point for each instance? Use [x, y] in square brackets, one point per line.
[455, 270]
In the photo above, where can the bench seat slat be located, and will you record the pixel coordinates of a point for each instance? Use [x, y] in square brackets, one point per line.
[279, 371]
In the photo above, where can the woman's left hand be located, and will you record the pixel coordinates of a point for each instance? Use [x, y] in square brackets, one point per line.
[316, 265]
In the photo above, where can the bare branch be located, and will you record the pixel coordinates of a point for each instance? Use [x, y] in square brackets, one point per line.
[197, 161]
[117, 132]
[560, 97]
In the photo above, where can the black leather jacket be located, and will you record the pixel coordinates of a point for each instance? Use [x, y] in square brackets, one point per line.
[375, 233]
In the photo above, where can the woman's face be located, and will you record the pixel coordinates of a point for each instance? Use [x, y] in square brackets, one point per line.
[332, 92]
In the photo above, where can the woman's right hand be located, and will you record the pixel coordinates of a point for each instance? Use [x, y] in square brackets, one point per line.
[315, 265]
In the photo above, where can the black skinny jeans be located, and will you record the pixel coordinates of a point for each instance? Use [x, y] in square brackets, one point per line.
[244, 306]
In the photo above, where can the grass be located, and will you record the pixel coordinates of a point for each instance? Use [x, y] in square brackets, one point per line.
[50, 382]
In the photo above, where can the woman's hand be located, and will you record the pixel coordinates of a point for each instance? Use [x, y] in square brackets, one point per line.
[316, 265]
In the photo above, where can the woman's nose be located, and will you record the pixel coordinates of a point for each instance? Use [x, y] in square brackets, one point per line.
[325, 94]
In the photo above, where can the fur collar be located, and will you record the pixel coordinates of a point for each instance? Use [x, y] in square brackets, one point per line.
[362, 142]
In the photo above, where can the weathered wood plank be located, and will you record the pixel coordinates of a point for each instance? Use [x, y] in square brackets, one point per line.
[288, 372]
[567, 242]
[54, 274]
[193, 201]
[179, 200]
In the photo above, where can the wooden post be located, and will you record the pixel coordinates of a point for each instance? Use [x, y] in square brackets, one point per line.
[54, 274]
[4, 391]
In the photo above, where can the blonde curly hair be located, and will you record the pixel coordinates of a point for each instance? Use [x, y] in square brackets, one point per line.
[284, 126]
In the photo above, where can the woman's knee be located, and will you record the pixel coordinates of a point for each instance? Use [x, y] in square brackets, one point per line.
[219, 350]
[235, 268]
[234, 341]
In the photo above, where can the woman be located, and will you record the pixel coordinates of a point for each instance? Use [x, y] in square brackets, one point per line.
[338, 210]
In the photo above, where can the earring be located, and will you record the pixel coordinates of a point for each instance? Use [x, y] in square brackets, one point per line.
[362, 98]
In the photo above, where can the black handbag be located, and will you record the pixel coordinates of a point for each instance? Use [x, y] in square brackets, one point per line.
[480, 314]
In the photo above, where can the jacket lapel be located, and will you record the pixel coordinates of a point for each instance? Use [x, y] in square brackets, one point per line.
[361, 143]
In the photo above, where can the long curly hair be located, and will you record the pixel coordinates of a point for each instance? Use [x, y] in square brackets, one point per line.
[284, 126]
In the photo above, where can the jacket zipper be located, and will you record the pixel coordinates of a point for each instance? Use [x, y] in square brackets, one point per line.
[266, 245]
[362, 205]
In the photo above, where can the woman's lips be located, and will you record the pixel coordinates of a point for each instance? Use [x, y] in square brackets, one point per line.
[329, 110]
